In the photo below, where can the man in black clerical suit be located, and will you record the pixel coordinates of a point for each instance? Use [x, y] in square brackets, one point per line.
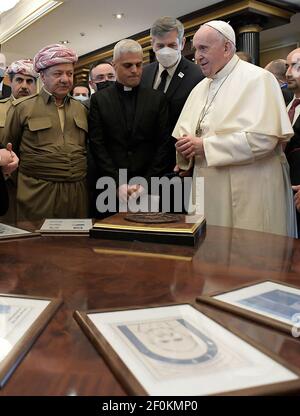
[8, 163]
[5, 90]
[3, 196]
[292, 149]
[128, 124]
[175, 75]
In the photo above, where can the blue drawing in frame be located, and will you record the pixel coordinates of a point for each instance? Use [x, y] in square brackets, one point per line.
[171, 336]
[277, 302]
[4, 309]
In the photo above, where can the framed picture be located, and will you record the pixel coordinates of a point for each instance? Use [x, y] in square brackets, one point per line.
[8, 232]
[269, 302]
[177, 350]
[22, 319]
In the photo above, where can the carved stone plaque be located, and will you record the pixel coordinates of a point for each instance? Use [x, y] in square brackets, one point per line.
[152, 217]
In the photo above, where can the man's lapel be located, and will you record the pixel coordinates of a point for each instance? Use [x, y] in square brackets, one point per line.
[177, 78]
[151, 76]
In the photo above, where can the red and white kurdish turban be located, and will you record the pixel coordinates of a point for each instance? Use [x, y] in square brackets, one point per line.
[24, 67]
[54, 55]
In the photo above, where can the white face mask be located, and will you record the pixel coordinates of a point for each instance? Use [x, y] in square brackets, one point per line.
[167, 57]
[81, 97]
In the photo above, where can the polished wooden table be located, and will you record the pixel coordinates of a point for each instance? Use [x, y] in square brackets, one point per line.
[93, 274]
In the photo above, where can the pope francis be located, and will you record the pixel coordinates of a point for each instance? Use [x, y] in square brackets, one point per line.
[230, 132]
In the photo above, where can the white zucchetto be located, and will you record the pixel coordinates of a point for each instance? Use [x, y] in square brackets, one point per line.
[224, 28]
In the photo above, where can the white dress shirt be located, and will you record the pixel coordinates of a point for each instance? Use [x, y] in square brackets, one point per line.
[171, 72]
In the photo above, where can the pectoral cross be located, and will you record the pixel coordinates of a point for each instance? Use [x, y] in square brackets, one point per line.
[198, 132]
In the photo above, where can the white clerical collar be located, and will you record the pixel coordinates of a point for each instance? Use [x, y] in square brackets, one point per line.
[227, 68]
[171, 71]
[127, 88]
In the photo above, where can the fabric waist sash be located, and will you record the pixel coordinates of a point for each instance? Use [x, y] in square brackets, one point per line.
[54, 167]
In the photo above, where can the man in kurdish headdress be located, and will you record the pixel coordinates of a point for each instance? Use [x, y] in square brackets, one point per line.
[49, 131]
[22, 79]
[230, 133]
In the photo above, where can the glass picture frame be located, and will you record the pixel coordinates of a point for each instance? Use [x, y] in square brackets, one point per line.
[8, 232]
[177, 350]
[270, 302]
[22, 319]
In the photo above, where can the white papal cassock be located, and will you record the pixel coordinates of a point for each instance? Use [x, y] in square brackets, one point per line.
[243, 125]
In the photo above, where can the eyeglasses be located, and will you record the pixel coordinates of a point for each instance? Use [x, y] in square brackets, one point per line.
[101, 78]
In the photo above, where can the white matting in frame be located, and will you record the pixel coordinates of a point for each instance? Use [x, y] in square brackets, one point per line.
[177, 350]
[22, 318]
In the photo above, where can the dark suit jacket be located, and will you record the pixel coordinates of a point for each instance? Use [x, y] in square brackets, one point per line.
[6, 91]
[3, 193]
[292, 152]
[146, 152]
[178, 90]
[287, 95]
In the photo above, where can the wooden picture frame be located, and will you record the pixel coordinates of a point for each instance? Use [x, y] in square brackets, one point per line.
[261, 316]
[22, 319]
[144, 369]
[8, 232]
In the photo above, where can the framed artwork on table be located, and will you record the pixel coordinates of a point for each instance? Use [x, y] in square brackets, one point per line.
[22, 319]
[272, 303]
[8, 232]
[178, 350]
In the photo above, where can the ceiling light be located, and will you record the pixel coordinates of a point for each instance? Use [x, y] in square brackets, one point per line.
[118, 15]
[64, 42]
[7, 4]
